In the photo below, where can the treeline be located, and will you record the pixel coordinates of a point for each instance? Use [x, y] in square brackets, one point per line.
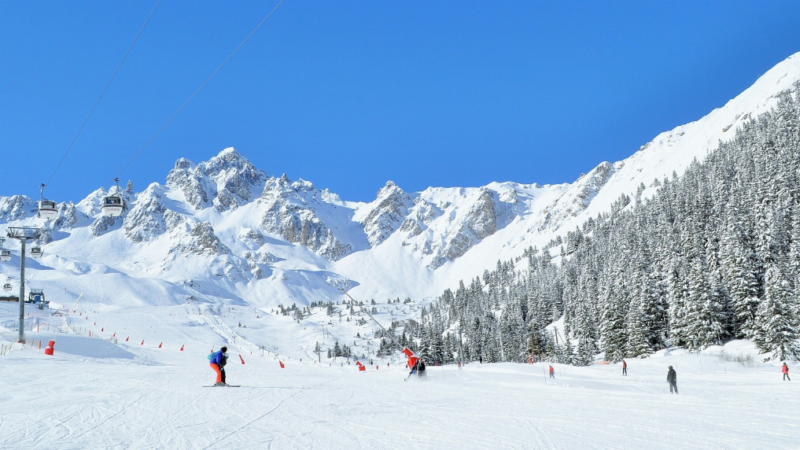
[708, 257]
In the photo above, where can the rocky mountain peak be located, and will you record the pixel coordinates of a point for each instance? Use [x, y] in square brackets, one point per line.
[226, 181]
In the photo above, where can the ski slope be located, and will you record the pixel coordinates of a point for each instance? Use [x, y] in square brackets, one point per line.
[95, 393]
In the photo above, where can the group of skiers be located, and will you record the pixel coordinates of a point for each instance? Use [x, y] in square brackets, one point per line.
[219, 359]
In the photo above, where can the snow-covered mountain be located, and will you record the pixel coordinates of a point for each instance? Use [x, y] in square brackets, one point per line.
[226, 229]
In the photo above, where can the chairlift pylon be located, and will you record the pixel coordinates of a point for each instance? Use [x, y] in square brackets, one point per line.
[113, 205]
[47, 209]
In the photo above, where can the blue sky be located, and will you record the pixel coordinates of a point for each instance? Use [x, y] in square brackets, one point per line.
[349, 95]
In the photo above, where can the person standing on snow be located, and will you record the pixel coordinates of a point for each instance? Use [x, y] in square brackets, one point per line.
[672, 379]
[624, 368]
[217, 361]
[552, 372]
[785, 370]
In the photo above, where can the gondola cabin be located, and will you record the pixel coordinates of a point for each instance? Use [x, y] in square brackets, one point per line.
[47, 210]
[112, 206]
[36, 252]
[5, 255]
[7, 287]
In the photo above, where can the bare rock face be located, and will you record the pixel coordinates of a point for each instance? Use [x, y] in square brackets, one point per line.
[67, 217]
[15, 207]
[198, 238]
[386, 213]
[482, 219]
[291, 214]
[102, 225]
[578, 197]
[226, 181]
[145, 221]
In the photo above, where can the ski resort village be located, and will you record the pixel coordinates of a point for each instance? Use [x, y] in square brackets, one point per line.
[219, 227]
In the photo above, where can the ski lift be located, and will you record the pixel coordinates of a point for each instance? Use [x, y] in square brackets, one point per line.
[5, 255]
[113, 205]
[36, 296]
[47, 208]
[36, 252]
[7, 287]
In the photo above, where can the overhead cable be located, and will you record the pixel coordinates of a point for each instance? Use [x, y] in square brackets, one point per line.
[85, 121]
[199, 89]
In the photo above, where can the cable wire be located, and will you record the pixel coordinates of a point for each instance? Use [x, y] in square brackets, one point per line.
[199, 89]
[85, 121]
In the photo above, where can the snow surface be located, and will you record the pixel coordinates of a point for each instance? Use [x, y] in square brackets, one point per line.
[97, 394]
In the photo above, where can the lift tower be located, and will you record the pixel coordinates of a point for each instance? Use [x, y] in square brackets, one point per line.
[23, 235]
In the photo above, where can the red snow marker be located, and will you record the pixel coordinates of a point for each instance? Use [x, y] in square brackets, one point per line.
[142, 341]
[159, 345]
[181, 347]
[240, 357]
[103, 330]
[281, 363]
[126, 339]
[114, 335]
[50, 346]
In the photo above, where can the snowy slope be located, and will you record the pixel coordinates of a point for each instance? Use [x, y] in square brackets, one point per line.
[109, 392]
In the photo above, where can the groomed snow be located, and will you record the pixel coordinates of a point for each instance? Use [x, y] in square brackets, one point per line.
[127, 395]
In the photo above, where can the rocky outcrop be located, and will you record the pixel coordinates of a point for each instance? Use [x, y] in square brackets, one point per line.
[102, 225]
[385, 215]
[198, 238]
[15, 207]
[290, 213]
[67, 217]
[145, 220]
[225, 181]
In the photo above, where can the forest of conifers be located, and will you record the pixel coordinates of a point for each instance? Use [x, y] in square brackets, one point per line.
[713, 255]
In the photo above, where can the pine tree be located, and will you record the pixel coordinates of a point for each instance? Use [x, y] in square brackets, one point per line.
[777, 319]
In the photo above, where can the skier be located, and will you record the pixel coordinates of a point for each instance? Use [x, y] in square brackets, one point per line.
[217, 361]
[412, 360]
[421, 368]
[624, 368]
[552, 372]
[785, 370]
[672, 379]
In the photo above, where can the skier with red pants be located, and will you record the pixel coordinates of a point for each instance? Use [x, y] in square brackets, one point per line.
[785, 370]
[217, 361]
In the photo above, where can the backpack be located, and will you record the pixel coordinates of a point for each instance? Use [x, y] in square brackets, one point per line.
[210, 356]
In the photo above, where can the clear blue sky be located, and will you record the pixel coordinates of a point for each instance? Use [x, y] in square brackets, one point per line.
[351, 94]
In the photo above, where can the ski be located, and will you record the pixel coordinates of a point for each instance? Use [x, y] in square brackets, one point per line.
[230, 385]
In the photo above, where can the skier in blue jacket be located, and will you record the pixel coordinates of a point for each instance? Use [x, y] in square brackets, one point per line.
[217, 362]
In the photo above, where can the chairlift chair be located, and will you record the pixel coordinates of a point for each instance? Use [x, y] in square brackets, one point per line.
[36, 252]
[113, 205]
[36, 296]
[47, 208]
[7, 287]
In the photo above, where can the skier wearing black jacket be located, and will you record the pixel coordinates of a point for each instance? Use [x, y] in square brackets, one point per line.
[672, 379]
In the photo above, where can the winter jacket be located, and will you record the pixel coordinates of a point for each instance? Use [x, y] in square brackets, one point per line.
[219, 358]
[785, 369]
[672, 376]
